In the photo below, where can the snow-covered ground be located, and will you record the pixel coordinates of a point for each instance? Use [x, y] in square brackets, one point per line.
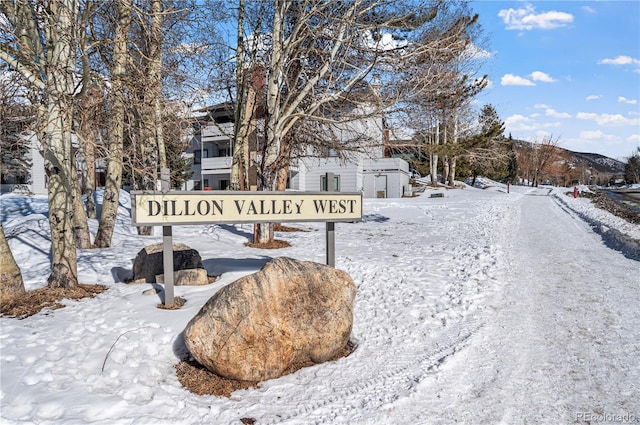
[479, 307]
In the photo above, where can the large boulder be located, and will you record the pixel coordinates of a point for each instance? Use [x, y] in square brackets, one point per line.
[263, 325]
[187, 266]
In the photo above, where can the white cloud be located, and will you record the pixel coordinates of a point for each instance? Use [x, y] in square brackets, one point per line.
[608, 119]
[622, 99]
[514, 80]
[519, 122]
[620, 60]
[596, 135]
[526, 19]
[588, 9]
[541, 106]
[594, 97]
[555, 114]
[541, 76]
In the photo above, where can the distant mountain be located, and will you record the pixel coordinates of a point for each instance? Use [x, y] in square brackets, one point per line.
[601, 163]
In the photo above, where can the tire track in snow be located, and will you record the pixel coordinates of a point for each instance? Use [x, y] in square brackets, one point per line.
[375, 392]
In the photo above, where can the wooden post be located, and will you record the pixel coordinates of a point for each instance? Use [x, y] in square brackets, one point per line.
[331, 227]
[167, 247]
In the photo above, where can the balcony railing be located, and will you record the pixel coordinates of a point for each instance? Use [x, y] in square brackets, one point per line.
[215, 132]
[216, 165]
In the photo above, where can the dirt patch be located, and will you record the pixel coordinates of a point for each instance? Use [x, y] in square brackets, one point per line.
[281, 228]
[178, 302]
[603, 201]
[34, 301]
[199, 380]
[275, 244]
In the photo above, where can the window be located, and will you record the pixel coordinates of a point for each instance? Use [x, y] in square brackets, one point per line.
[336, 183]
[197, 159]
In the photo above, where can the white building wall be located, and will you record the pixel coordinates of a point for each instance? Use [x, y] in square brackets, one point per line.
[38, 178]
[311, 172]
[385, 177]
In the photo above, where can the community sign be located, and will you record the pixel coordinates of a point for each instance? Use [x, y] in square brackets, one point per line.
[205, 207]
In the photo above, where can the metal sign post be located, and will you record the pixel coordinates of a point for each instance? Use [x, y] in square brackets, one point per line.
[331, 228]
[167, 246]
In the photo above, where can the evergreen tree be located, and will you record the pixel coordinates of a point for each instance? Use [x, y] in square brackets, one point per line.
[632, 168]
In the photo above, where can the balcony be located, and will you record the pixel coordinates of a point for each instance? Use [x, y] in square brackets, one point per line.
[217, 132]
[220, 165]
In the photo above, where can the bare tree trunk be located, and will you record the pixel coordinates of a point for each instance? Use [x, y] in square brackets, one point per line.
[445, 169]
[281, 178]
[155, 75]
[80, 225]
[452, 170]
[116, 135]
[11, 284]
[57, 163]
[237, 166]
[276, 71]
[58, 154]
[263, 233]
[433, 158]
[90, 177]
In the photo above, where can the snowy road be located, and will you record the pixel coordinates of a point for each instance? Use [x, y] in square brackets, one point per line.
[563, 343]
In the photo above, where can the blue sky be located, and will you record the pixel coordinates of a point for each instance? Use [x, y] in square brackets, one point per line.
[566, 69]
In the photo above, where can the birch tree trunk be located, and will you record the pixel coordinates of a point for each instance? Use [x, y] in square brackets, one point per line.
[44, 52]
[433, 158]
[237, 166]
[150, 125]
[155, 75]
[80, 224]
[58, 153]
[116, 135]
[11, 284]
[90, 181]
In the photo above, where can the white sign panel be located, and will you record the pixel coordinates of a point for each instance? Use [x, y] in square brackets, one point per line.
[204, 207]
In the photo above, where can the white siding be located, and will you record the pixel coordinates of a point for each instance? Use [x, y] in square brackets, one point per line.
[38, 178]
[385, 177]
[312, 170]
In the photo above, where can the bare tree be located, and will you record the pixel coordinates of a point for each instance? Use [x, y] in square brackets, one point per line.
[536, 158]
[440, 83]
[16, 120]
[116, 135]
[320, 58]
[40, 42]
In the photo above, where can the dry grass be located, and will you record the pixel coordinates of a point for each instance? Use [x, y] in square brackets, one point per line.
[34, 301]
[275, 244]
[199, 380]
[603, 201]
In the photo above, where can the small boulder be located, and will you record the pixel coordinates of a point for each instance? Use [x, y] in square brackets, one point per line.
[264, 325]
[187, 266]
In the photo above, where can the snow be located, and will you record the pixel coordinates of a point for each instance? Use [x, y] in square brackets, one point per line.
[478, 307]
